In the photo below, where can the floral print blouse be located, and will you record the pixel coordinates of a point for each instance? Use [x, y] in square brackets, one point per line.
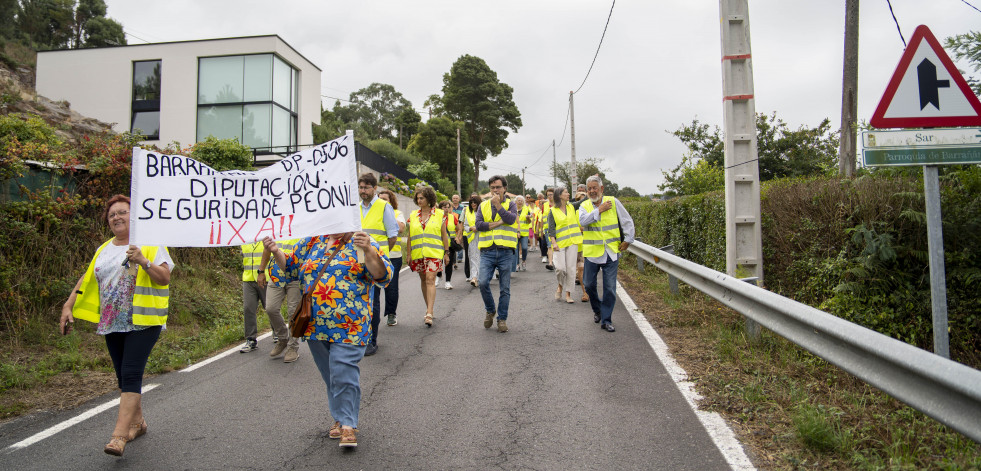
[341, 300]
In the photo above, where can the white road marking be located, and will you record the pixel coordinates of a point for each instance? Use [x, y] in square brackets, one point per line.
[70, 422]
[714, 424]
[222, 354]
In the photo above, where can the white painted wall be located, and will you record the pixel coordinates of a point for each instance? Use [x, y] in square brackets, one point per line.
[98, 82]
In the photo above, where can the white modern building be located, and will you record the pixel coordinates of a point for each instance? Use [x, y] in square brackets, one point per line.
[257, 89]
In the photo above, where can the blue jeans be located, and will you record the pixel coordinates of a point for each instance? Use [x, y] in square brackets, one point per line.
[604, 306]
[338, 365]
[502, 260]
[522, 249]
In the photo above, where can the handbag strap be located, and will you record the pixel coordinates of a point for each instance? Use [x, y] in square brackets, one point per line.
[323, 267]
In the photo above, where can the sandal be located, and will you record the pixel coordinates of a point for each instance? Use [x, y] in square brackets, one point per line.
[429, 319]
[335, 431]
[116, 445]
[138, 430]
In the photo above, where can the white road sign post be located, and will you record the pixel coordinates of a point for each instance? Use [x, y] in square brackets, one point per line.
[927, 91]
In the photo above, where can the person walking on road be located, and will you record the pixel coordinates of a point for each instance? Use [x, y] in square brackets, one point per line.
[607, 230]
[395, 255]
[524, 222]
[276, 291]
[428, 245]
[340, 314]
[471, 264]
[253, 296]
[455, 230]
[563, 223]
[125, 290]
[497, 225]
[378, 220]
[458, 208]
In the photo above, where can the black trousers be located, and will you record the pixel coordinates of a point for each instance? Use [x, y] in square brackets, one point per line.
[129, 352]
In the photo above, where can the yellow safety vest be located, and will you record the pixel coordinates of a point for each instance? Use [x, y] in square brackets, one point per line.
[397, 248]
[505, 235]
[521, 217]
[426, 242]
[567, 232]
[251, 256]
[451, 223]
[603, 233]
[471, 223]
[276, 275]
[150, 300]
[374, 223]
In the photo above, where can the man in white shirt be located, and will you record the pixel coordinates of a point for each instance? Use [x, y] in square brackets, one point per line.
[606, 235]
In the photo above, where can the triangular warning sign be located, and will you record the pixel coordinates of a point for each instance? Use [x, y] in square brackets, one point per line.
[926, 90]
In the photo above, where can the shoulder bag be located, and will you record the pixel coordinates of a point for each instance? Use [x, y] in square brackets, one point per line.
[300, 319]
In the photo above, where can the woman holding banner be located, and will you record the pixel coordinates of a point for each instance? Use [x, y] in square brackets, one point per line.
[125, 290]
[340, 313]
[429, 244]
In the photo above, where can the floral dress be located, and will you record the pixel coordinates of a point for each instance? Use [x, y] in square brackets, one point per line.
[341, 300]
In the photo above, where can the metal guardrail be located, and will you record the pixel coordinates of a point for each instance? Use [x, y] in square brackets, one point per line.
[940, 388]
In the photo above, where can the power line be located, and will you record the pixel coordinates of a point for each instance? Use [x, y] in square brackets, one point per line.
[894, 20]
[972, 6]
[597, 48]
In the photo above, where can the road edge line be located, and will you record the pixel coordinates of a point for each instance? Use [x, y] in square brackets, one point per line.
[54, 429]
[723, 436]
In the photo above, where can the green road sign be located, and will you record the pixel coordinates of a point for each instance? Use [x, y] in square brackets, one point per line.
[886, 156]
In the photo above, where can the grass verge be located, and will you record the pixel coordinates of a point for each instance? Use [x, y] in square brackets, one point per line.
[43, 370]
[790, 409]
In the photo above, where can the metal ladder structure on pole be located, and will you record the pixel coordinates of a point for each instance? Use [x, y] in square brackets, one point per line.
[744, 236]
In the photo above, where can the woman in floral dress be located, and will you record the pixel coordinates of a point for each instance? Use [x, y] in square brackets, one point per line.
[340, 314]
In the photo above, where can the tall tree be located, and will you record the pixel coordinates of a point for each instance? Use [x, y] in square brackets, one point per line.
[101, 32]
[375, 109]
[436, 142]
[967, 47]
[473, 94]
[9, 11]
[584, 168]
[407, 125]
[782, 151]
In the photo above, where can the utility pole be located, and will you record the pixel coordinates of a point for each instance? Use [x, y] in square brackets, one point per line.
[458, 190]
[744, 235]
[572, 142]
[523, 180]
[849, 93]
[555, 169]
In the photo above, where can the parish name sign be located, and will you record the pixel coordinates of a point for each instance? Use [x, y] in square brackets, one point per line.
[922, 147]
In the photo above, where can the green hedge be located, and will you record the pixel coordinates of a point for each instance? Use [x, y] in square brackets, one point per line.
[853, 247]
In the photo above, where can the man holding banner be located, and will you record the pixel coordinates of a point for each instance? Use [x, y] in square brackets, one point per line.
[378, 220]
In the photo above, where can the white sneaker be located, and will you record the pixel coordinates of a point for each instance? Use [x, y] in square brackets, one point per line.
[448, 285]
[544, 259]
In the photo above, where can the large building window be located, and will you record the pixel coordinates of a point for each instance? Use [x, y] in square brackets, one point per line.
[146, 99]
[251, 98]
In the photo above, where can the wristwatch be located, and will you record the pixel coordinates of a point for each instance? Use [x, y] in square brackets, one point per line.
[147, 266]
[260, 271]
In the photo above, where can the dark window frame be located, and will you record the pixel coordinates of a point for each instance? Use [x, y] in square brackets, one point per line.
[143, 106]
[294, 96]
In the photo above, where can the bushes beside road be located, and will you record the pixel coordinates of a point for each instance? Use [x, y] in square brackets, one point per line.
[854, 248]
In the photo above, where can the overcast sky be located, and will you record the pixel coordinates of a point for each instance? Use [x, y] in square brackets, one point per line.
[659, 66]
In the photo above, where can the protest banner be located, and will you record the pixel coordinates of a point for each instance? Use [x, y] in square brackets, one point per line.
[180, 202]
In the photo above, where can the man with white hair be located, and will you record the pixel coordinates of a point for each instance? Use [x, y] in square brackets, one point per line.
[605, 234]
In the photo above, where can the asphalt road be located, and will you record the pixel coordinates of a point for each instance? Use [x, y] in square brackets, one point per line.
[555, 392]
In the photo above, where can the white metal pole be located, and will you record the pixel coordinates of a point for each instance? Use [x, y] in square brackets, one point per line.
[744, 235]
[458, 190]
[935, 244]
[572, 143]
[555, 168]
